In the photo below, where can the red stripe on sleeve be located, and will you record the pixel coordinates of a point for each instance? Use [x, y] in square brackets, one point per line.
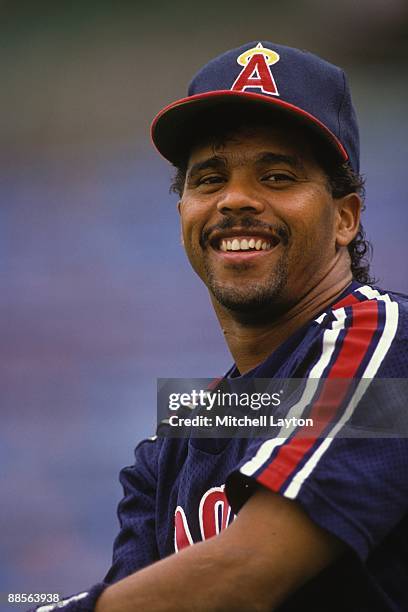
[355, 345]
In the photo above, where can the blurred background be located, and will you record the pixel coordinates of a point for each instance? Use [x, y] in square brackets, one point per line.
[97, 299]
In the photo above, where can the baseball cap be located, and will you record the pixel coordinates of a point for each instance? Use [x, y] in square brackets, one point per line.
[264, 75]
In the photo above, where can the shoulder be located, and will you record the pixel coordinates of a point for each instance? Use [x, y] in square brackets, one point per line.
[374, 301]
[366, 332]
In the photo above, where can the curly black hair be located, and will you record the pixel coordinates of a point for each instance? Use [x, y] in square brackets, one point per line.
[342, 180]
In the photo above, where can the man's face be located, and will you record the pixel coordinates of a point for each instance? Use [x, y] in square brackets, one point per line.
[258, 219]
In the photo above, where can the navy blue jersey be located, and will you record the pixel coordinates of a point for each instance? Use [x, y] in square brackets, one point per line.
[181, 491]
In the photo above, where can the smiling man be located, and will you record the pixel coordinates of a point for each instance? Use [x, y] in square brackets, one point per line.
[266, 150]
[262, 228]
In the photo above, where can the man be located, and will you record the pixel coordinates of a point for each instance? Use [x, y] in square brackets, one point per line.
[267, 158]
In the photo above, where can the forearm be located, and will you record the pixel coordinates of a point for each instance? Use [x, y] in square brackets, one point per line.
[267, 553]
[207, 576]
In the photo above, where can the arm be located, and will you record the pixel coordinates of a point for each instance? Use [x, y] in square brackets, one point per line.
[269, 551]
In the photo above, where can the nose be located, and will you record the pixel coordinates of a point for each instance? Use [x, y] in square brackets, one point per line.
[238, 197]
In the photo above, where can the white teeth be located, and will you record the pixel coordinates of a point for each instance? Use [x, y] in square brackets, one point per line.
[244, 245]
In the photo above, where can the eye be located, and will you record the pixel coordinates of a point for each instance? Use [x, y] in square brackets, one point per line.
[278, 177]
[210, 179]
[208, 183]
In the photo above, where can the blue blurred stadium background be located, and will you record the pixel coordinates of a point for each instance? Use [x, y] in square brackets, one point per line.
[97, 299]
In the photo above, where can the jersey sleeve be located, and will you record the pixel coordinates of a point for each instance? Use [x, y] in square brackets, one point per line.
[354, 487]
[135, 546]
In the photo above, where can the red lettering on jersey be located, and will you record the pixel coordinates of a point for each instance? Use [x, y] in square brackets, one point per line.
[214, 515]
[182, 535]
[256, 74]
[214, 512]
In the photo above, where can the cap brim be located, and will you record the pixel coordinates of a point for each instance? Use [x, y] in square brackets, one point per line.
[174, 127]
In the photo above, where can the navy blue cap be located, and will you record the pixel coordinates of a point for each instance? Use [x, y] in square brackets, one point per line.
[262, 74]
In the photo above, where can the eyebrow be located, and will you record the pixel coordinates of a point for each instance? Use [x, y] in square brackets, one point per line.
[212, 163]
[264, 158]
[280, 158]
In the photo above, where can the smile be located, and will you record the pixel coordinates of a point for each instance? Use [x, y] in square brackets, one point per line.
[245, 244]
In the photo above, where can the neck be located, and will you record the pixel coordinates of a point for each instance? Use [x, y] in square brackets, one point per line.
[252, 339]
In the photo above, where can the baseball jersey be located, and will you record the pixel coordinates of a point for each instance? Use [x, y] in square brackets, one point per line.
[181, 491]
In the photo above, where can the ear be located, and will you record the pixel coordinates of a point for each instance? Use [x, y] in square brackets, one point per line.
[348, 218]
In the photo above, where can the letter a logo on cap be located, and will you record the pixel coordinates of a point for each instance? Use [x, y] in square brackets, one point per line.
[256, 73]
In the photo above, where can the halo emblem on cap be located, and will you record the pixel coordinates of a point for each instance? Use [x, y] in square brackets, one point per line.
[256, 73]
[271, 57]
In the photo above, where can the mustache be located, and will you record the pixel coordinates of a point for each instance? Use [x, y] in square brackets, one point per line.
[247, 222]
